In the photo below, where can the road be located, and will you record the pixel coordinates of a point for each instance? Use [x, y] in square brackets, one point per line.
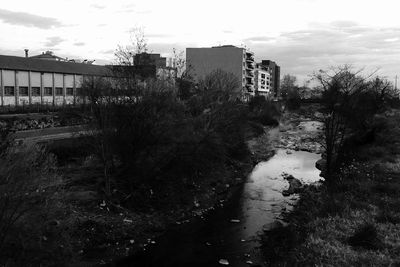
[50, 134]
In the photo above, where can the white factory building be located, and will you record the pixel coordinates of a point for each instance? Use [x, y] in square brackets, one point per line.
[31, 80]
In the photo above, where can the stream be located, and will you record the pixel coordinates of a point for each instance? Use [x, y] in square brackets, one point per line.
[230, 234]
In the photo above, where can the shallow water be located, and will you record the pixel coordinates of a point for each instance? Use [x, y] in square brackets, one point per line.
[203, 242]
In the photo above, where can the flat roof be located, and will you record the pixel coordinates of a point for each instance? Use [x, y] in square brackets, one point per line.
[40, 65]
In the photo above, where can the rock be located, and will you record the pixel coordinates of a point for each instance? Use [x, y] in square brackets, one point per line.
[320, 164]
[295, 186]
[223, 262]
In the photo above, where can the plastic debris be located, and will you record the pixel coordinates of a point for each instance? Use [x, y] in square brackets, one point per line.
[127, 221]
[131, 241]
[249, 262]
[235, 221]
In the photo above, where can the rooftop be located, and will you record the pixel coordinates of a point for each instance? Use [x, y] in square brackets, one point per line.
[40, 65]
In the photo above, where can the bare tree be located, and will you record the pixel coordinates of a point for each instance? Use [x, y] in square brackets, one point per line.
[125, 55]
[288, 83]
[350, 101]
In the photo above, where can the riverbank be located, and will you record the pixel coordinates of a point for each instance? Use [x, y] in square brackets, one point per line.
[84, 228]
[354, 224]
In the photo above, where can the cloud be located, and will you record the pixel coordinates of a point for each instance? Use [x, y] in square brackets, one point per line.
[159, 35]
[79, 44]
[337, 43]
[98, 6]
[53, 41]
[259, 39]
[28, 20]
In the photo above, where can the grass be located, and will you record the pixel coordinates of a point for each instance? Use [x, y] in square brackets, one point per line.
[354, 223]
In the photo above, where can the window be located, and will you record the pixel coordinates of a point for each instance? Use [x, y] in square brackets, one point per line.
[69, 91]
[48, 91]
[263, 76]
[23, 90]
[79, 91]
[59, 91]
[35, 91]
[9, 90]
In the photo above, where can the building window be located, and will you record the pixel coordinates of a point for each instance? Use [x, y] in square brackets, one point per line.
[23, 90]
[9, 90]
[35, 91]
[79, 91]
[262, 75]
[48, 91]
[69, 91]
[59, 91]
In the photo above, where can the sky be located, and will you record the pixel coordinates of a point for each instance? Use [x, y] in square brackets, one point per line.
[302, 36]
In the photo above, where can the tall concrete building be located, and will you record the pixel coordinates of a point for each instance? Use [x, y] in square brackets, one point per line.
[229, 58]
[263, 81]
[275, 71]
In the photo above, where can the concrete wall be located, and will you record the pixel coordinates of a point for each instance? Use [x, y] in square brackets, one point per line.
[36, 82]
[8, 80]
[202, 61]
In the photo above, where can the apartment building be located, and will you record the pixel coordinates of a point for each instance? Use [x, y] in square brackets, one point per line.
[262, 81]
[275, 72]
[25, 80]
[236, 60]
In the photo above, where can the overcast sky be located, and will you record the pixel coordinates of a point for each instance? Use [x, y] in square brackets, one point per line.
[302, 36]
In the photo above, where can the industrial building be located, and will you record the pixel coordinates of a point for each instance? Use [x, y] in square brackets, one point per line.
[32, 80]
[236, 60]
[51, 80]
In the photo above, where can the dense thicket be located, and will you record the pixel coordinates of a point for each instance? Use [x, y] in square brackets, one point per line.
[149, 138]
[350, 103]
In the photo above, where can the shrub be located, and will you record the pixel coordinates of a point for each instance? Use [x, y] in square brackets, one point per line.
[366, 237]
[263, 111]
[26, 173]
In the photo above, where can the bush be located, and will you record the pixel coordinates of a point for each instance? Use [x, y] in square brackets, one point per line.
[263, 111]
[366, 237]
[151, 139]
[26, 176]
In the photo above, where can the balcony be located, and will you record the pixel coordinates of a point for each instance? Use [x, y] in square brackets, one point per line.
[250, 59]
[250, 65]
[249, 80]
[249, 74]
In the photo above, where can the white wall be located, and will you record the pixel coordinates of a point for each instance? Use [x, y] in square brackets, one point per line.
[58, 82]
[9, 80]
[22, 80]
[35, 82]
